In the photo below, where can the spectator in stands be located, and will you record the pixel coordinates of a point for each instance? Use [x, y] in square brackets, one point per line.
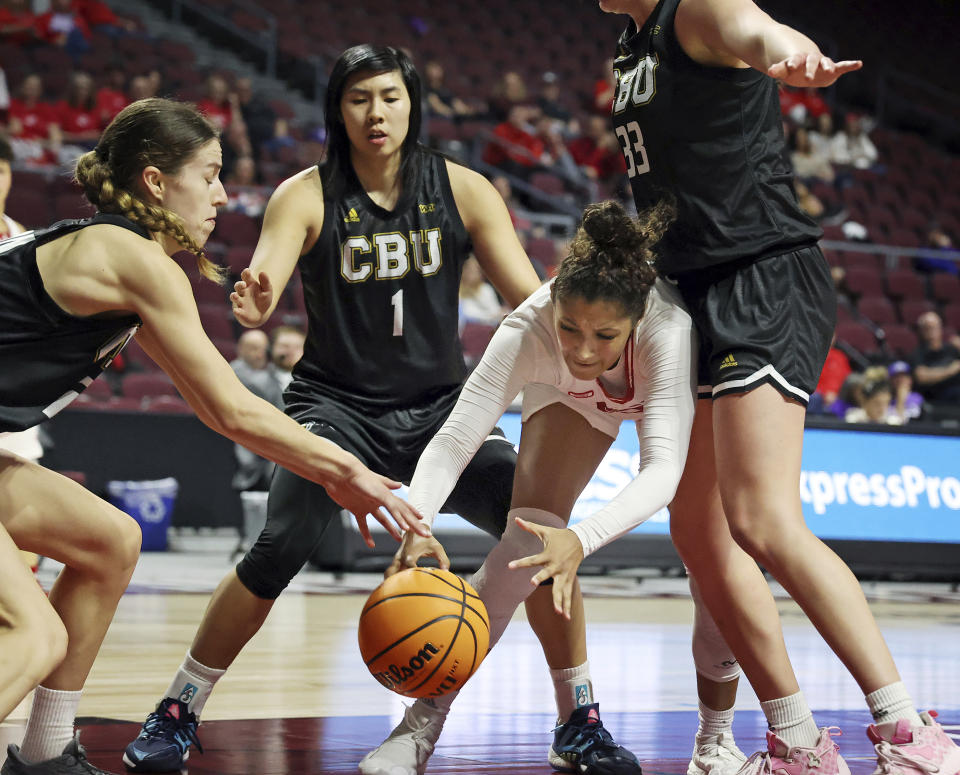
[154, 82]
[875, 405]
[822, 134]
[802, 106]
[253, 367]
[62, 26]
[78, 117]
[936, 363]
[809, 164]
[815, 104]
[479, 302]
[791, 104]
[112, 94]
[515, 147]
[509, 91]
[222, 107]
[556, 156]
[244, 173]
[258, 375]
[836, 369]
[259, 118]
[34, 132]
[852, 146]
[597, 152]
[551, 105]
[604, 89]
[219, 105]
[8, 226]
[937, 240]
[100, 17]
[849, 396]
[282, 138]
[440, 100]
[286, 348]
[520, 223]
[907, 404]
[18, 23]
[243, 191]
[141, 88]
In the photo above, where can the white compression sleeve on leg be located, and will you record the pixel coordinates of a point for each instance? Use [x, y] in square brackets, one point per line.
[500, 588]
[712, 657]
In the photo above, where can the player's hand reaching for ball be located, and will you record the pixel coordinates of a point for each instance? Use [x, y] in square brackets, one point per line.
[561, 557]
[251, 298]
[811, 69]
[412, 548]
[364, 493]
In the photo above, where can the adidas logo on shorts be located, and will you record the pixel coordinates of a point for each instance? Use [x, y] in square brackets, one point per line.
[728, 361]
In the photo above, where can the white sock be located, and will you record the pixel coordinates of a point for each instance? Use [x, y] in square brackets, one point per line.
[500, 588]
[193, 683]
[790, 718]
[892, 703]
[714, 722]
[573, 689]
[50, 725]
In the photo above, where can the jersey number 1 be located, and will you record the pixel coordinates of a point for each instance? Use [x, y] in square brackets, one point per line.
[396, 301]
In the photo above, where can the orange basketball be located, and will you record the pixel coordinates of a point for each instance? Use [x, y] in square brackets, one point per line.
[423, 632]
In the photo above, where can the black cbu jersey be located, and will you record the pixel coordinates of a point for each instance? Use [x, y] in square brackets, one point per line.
[48, 356]
[382, 296]
[710, 138]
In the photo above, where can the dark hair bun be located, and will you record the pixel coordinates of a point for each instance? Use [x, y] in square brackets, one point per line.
[606, 223]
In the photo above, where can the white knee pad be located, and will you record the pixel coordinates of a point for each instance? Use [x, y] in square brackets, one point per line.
[712, 656]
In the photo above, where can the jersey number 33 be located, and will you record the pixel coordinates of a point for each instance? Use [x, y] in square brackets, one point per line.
[634, 88]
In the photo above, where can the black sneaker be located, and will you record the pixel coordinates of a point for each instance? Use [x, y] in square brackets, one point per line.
[583, 745]
[163, 744]
[73, 761]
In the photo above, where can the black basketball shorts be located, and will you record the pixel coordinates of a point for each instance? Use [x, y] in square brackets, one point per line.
[767, 321]
[390, 441]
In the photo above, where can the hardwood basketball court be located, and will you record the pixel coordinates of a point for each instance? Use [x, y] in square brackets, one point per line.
[300, 700]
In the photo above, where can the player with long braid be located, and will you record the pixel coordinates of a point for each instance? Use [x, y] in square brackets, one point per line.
[71, 297]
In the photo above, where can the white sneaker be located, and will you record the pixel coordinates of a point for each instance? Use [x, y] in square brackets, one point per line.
[408, 747]
[715, 755]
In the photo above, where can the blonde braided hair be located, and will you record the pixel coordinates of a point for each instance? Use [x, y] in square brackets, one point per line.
[152, 132]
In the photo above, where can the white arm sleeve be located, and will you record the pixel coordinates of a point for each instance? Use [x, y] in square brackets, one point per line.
[507, 365]
[666, 361]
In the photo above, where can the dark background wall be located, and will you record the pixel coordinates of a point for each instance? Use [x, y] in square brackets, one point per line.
[143, 446]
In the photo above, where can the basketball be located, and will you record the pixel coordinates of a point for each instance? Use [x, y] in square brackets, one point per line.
[423, 632]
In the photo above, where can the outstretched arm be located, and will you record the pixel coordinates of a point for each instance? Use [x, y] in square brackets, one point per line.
[291, 224]
[159, 292]
[503, 370]
[731, 32]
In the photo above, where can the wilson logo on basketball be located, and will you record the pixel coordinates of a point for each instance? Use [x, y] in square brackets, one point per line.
[395, 676]
[423, 632]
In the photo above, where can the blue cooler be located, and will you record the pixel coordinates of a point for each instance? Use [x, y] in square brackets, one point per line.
[151, 504]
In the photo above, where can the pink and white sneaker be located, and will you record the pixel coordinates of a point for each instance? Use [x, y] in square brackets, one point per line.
[781, 759]
[905, 750]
